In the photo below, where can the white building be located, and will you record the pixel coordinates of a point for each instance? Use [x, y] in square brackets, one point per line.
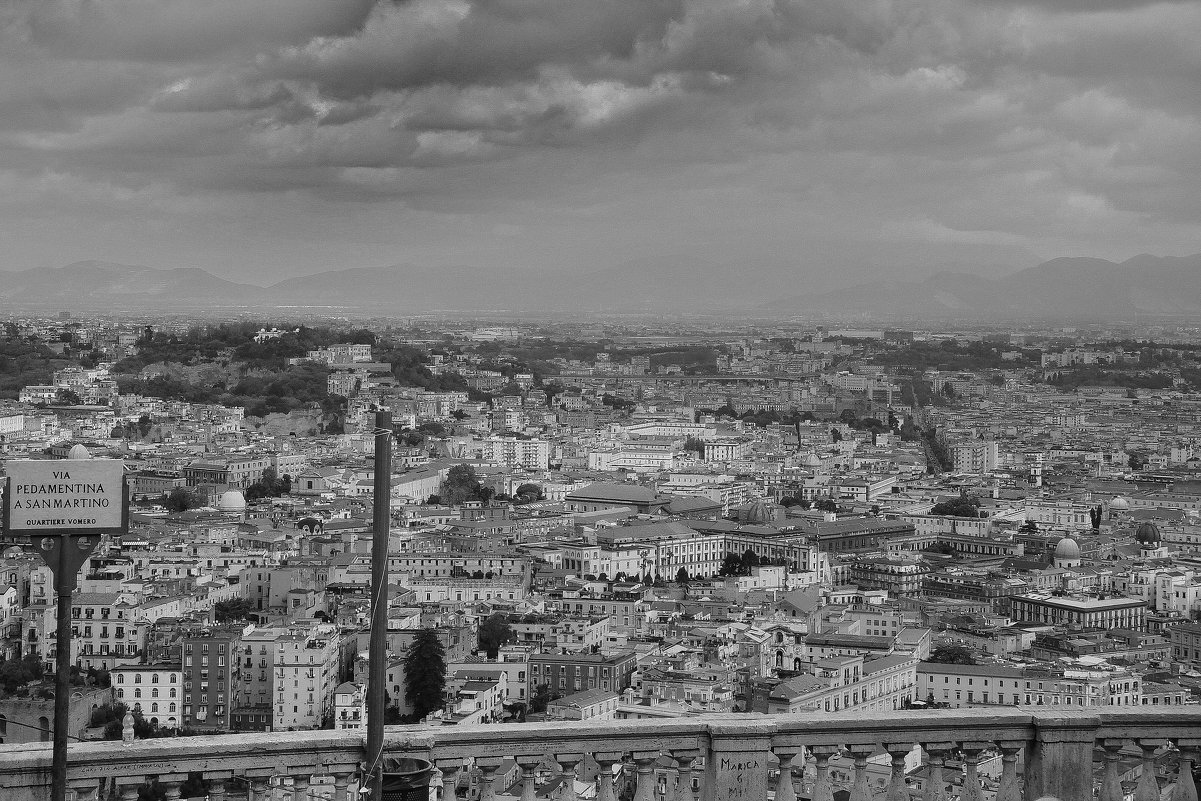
[350, 707]
[306, 672]
[527, 454]
[154, 689]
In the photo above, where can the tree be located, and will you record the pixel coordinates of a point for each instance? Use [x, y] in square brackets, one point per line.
[695, 444]
[826, 505]
[67, 397]
[1136, 461]
[835, 435]
[542, 696]
[749, 559]
[682, 575]
[493, 633]
[269, 485]
[460, 484]
[528, 493]
[182, 499]
[952, 655]
[16, 672]
[731, 565]
[233, 609]
[425, 672]
[962, 506]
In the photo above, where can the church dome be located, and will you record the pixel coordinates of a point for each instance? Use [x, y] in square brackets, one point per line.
[756, 513]
[78, 452]
[1147, 534]
[232, 501]
[1067, 550]
[1119, 504]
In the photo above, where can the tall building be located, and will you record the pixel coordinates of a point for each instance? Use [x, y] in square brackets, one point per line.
[210, 678]
[306, 675]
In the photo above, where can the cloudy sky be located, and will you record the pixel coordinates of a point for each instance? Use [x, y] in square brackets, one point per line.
[261, 139]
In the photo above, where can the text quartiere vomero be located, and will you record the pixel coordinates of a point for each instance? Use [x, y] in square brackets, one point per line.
[95, 491]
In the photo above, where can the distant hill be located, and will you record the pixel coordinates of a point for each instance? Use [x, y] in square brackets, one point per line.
[1070, 288]
[100, 285]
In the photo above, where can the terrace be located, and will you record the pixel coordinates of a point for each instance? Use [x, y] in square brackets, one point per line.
[1057, 751]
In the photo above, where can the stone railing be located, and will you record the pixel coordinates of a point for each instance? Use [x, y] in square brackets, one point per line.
[1041, 751]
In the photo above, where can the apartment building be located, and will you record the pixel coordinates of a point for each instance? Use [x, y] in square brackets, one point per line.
[839, 683]
[1079, 613]
[973, 685]
[210, 678]
[306, 675]
[571, 673]
[155, 689]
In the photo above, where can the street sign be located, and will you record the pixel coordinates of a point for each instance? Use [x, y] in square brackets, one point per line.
[57, 495]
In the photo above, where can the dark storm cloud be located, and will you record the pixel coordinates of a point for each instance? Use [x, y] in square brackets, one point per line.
[181, 30]
[1038, 124]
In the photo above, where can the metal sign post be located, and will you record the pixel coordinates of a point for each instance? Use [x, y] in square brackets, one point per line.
[64, 507]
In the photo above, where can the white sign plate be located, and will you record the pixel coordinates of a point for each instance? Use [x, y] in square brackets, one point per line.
[50, 494]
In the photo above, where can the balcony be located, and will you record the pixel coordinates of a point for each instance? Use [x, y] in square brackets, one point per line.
[1064, 752]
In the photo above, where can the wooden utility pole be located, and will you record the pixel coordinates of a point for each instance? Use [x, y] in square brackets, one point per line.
[378, 646]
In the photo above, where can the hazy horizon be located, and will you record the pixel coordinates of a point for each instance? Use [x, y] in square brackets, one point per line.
[265, 139]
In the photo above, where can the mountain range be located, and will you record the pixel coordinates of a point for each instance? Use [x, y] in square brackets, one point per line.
[1064, 288]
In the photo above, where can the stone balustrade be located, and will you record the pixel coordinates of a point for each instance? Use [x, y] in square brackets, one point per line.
[1042, 751]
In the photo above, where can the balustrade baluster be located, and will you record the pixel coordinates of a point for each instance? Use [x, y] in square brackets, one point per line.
[971, 776]
[1111, 785]
[785, 788]
[529, 775]
[129, 787]
[341, 785]
[567, 763]
[689, 763]
[450, 778]
[216, 788]
[83, 790]
[300, 788]
[171, 786]
[1186, 789]
[822, 789]
[1009, 788]
[936, 789]
[861, 790]
[1148, 784]
[260, 783]
[646, 775]
[488, 767]
[897, 790]
[605, 760]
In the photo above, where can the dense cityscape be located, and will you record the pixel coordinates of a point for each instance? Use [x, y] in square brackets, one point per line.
[596, 521]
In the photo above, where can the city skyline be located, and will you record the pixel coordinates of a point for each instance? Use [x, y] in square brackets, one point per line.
[261, 141]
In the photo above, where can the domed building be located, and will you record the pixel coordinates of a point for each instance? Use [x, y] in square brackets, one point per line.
[758, 512]
[1118, 507]
[78, 452]
[1149, 540]
[232, 502]
[1067, 553]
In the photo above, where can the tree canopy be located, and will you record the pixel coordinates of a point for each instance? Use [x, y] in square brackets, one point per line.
[181, 499]
[233, 609]
[962, 506]
[952, 655]
[494, 632]
[461, 484]
[425, 672]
